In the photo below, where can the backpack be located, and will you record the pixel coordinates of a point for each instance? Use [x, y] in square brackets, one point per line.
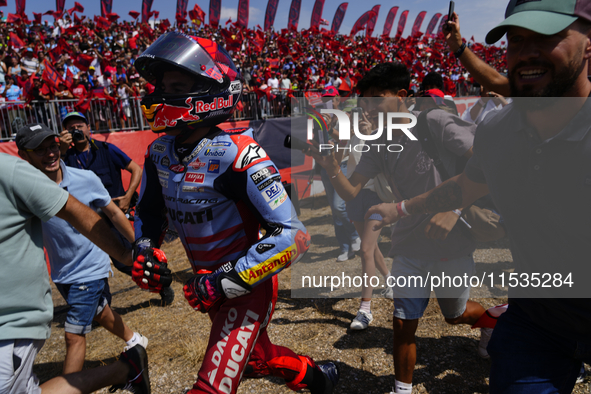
[486, 224]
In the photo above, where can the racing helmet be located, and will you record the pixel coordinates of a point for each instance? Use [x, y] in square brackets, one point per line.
[216, 90]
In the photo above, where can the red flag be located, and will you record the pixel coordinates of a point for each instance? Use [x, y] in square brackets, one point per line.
[102, 22]
[401, 24]
[294, 15]
[83, 103]
[472, 39]
[389, 21]
[3, 3]
[15, 40]
[154, 14]
[69, 78]
[371, 23]
[77, 20]
[20, 7]
[432, 24]
[146, 7]
[51, 76]
[215, 7]
[181, 9]
[442, 23]
[106, 7]
[77, 8]
[415, 32]
[83, 61]
[164, 25]
[316, 13]
[337, 20]
[12, 18]
[112, 17]
[197, 14]
[134, 14]
[323, 22]
[28, 86]
[37, 17]
[361, 22]
[270, 13]
[45, 90]
[59, 5]
[243, 13]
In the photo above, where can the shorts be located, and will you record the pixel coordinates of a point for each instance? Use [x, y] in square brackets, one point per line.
[411, 298]
[357, 207]
[86, 300]
[17, 357]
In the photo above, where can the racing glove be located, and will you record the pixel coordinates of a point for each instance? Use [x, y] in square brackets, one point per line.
[207, 288]
[150, 269]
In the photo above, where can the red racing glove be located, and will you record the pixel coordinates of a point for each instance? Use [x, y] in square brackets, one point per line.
[150, 269]
[201, 291]
[207, 288]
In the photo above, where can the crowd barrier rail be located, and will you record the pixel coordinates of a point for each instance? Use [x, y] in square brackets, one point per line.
[125, 114]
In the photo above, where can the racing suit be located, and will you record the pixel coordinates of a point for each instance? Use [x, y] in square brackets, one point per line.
[218, 197]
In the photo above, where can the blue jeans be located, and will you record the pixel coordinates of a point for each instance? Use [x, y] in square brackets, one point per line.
[528, 359]
[86, 300]
[343, 228]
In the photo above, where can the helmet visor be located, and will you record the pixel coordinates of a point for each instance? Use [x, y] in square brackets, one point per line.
[180, 50]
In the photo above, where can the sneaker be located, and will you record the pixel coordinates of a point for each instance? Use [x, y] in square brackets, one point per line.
[345, 256]
[331, 375]
[361, 321]
[485, 334]
[167, 295]
[143, 342]
[582, 374]
[138, 378]
[356, 245]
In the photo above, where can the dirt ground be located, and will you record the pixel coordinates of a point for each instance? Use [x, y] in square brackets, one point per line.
[447, 360]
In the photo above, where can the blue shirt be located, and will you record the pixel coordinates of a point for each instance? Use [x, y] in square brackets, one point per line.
[13, 93]
[105, 160]
[73, 69]
[73, 258]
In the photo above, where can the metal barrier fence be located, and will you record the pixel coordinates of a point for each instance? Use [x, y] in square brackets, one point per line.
[125, 114]
[107, 115]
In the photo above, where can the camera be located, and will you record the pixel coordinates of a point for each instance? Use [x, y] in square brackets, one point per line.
[77, 135]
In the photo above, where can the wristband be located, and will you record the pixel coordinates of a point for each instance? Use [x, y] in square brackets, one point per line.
[403, 207]
[402, 212]
[335, 175]
[460, 50]
[457, 212]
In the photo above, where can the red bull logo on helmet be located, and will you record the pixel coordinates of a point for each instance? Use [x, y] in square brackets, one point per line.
[161, 116]
[217, 103]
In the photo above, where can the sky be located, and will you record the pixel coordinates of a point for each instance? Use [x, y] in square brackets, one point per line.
[477, 17]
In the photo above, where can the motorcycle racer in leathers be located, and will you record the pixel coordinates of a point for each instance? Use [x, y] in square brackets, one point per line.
[221, 191]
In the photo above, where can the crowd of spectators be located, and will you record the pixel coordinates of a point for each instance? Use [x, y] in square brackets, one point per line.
[96, 60]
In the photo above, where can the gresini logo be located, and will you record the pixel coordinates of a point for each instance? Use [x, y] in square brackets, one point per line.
[344, 127]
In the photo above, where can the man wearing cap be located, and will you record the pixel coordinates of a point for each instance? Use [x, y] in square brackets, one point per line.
[106, 160]
[533, 156]
[28, 197]
[78, 267]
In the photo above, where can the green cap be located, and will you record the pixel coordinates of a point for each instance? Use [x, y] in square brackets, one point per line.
[546, 17]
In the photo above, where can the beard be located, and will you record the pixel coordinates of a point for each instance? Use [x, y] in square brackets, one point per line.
[561, 82]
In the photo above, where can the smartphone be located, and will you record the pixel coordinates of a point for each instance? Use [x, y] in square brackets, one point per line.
[451, 10]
